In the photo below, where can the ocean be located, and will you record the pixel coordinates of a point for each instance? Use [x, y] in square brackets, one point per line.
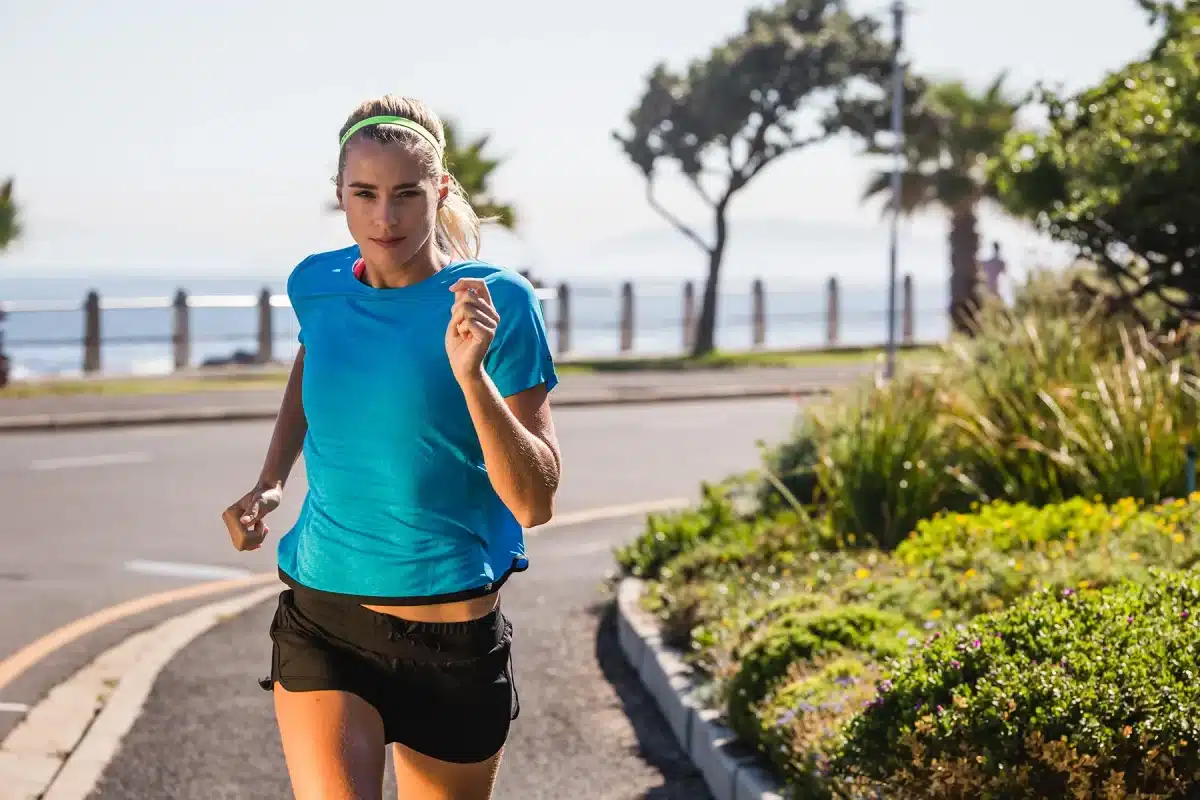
[137, 341]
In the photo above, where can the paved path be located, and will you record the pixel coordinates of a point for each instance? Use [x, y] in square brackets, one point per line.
[586, 729]
[572, 387]
[82, 508]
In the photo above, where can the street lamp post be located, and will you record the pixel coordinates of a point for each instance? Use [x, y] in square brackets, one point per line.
[897, 178]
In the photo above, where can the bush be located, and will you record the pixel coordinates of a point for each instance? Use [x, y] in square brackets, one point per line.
[801, 637]
[669, 534]
[886, 462]
[1067, 694]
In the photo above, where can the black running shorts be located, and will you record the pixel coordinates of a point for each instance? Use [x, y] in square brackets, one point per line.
[443, 689]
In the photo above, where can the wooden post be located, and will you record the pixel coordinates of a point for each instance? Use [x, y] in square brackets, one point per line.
[91, 332]
[758, 312]
[181, 337]
[266, 332]
[831, 314]
[563, 322]
[908, 310]
[626, 317]
[689, 315]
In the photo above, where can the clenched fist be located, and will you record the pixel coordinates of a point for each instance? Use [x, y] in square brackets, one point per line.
[244, 519]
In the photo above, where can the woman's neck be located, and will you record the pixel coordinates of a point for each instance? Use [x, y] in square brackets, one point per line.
[427, 262]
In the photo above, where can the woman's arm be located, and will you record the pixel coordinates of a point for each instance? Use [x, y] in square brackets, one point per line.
[291, 427]
[244, 519]
[519, 445]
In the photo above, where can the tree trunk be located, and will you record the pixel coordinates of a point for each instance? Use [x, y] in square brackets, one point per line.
[964, 271]
[706, 326]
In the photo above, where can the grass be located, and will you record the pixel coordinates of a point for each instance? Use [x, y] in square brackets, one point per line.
[257, 378]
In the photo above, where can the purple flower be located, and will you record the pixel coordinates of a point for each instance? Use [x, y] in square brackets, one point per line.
[1185, 614]
[976, 644]
[955, 663]
[1068, 592]
[885, 686]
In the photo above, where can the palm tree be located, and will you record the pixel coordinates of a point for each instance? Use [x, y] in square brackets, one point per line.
[473, 170]
[9, 228]
[950, 134]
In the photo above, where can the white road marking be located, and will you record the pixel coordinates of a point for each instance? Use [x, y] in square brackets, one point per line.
[13, 708]
[171, 569]
[614, 512]
[80, 462]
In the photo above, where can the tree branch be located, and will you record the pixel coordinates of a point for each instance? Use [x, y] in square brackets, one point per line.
[695, 180]
[678, 224]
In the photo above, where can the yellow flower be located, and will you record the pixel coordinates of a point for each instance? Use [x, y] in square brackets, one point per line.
[1135, 556]
[1178, 537]
[970, 573]
[936, 613]
[862, 572]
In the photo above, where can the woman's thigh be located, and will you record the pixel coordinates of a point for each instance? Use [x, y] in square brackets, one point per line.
[419, 777]
[333, 744]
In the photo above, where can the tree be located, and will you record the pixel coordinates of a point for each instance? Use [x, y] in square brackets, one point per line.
[1115, 173]
[473, 170]
[733, 113]
[950, 133]
[10, 229]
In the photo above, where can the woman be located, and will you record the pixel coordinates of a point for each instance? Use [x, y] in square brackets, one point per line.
[419, 398]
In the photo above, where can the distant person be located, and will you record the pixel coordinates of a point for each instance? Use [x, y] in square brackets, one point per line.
[419, 400]
[991, 270]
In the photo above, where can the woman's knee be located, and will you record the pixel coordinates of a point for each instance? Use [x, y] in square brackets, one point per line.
[333, 744]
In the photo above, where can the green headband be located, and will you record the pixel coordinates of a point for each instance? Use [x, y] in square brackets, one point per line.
[402, 122]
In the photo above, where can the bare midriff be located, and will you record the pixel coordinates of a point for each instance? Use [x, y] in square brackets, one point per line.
[455, 611]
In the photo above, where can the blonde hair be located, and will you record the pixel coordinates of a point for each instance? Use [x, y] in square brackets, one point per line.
[457, 228]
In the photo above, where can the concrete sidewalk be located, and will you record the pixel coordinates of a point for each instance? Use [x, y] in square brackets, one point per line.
[575, 389]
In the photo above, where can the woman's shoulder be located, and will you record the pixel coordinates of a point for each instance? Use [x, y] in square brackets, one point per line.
[506, 286]
[319, 269]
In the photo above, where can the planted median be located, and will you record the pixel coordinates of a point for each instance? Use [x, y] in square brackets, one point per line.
[976, 581]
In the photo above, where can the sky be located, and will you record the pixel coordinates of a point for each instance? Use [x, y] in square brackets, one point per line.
[191, 138]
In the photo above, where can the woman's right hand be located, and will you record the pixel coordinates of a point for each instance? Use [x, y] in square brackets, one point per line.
[244, 519]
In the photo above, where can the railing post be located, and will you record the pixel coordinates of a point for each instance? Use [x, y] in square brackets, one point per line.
[626, 317]
[758, 312]
[91, 332]
[689, 315]
[266, 328]
[909, 311]
[831, 313]
[563, 322]
[181, 337]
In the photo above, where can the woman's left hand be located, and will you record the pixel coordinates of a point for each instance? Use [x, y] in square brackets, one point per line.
[473, 321]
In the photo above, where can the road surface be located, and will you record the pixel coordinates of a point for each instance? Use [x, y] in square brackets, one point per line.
[97, 517]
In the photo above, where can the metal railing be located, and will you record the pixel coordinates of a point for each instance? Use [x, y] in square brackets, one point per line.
[558, 305]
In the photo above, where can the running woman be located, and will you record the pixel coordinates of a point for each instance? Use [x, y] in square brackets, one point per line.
[419, 401]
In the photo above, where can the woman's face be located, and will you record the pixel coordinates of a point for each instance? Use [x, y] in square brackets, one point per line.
[390, 201]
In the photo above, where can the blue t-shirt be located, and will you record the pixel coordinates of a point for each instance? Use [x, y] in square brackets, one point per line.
[399, 506]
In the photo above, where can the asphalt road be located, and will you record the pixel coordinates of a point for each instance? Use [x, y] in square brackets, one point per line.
[586, 729]
[80, 509]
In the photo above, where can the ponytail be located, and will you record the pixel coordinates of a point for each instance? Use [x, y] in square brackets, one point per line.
[458, 224]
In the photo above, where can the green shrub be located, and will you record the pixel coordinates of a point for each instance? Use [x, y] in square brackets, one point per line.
[669, 534]
[803, 636]
[802, 723]
[886, 462]
[1066, 694]
[793, 461]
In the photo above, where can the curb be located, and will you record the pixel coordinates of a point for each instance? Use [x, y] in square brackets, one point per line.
[63, 745]
[32, 423]
[731, 769]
